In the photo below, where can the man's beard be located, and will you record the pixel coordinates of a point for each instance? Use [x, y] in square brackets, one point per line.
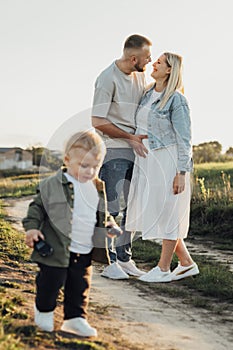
[139, 69]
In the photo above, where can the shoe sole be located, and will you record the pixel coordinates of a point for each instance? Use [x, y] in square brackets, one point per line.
[115, 278]
[133, 274]
[129, 272]
[49, 330]
[79, 334]
[165, 280]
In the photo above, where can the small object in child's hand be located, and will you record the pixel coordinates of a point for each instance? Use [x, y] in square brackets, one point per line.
[114, 231]
[43, 248]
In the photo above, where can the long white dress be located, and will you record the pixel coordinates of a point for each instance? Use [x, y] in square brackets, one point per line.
[153, 209]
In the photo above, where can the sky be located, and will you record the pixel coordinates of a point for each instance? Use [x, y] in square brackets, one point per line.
[51, 52]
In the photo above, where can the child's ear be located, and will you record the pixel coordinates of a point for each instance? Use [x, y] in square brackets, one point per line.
[66, 160]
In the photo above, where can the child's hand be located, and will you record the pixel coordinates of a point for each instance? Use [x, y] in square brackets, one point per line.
[113, 230]
[33, 236]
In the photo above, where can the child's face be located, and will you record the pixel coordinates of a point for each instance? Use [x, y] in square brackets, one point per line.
[82, 165]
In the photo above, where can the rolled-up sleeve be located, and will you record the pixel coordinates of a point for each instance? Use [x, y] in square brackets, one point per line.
[103, 96]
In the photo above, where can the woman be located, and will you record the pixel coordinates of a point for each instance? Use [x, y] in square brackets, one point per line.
[159, 199]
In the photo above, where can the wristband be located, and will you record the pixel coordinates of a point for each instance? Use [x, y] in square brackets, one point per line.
[182, 172]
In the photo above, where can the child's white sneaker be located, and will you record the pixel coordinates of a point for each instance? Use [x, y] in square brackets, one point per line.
[44, 320]
[79, 326]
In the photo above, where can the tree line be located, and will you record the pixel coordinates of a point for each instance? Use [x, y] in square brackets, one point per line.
[207, 152]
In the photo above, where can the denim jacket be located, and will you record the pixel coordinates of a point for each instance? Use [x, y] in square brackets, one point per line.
[170, 125]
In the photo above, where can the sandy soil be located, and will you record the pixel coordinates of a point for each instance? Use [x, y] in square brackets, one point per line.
[131, 319]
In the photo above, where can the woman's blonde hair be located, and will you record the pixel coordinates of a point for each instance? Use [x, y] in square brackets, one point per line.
[90, 141]
[174, 81]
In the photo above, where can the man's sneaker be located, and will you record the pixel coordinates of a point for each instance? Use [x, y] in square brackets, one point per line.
[184, 271]
[115, 272]
[79, 326]
[156, 275]
[44, 320]
[130, 268]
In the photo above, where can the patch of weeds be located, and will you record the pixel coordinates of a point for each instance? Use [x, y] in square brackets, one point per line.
[146, 251]
[26, 331]
[213, 281]
[9, 284]
[10, 342]
[13, 247]
[2, 289]
[200, 302]
[81, 345]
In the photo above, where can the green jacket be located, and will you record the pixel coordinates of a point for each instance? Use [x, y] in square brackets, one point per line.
[51, 212]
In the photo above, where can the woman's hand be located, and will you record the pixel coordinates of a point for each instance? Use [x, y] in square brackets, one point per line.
[33, 236]
[178, 183]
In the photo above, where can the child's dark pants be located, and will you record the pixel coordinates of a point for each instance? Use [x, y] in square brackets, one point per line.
[76, 280]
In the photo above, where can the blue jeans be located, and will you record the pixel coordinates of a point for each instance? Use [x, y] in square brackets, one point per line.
[116, 172]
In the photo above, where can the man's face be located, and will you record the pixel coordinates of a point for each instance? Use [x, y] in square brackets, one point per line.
[142, 58]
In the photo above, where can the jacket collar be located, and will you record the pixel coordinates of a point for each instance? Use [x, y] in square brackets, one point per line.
[150, 89]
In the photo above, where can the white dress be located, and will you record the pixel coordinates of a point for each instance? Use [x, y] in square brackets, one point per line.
[153, 209]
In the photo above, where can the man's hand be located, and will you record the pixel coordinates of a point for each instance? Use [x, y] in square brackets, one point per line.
[33, 236]
[113, 131]
[178, 183]
[136, 142]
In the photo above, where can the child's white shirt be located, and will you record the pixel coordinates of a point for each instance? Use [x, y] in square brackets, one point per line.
[86, 201]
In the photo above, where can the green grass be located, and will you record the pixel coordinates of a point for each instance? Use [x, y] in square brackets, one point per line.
[21, 185]
[212, 201]
[17, 188]
[12, 244]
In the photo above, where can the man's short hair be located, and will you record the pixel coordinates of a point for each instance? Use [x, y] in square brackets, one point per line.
[136, 41]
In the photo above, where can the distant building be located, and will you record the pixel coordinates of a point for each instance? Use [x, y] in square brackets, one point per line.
[15, 158]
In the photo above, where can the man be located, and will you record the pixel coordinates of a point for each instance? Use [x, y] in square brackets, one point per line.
[118, 90]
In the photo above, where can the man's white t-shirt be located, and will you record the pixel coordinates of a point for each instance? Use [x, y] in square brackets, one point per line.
[116, 98]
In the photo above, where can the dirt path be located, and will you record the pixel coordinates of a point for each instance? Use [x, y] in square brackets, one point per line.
[140, 321]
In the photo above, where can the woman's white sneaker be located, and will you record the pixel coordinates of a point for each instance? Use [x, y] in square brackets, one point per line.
[44, 320]
[184, 271]
[79, 326]
[156, 275]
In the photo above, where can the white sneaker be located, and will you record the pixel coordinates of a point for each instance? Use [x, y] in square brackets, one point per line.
[130, 268]
[156, 275]
[44, 320]
[79, 326]
[115, 272]
[184, 271]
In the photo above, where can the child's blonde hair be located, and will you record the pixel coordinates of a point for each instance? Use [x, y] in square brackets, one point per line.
[90, 141]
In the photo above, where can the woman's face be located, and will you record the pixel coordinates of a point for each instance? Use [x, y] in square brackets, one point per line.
[161, 69]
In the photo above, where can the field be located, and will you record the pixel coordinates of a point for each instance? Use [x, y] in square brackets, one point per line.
[212, 202]
[211, 218]
[211, 206]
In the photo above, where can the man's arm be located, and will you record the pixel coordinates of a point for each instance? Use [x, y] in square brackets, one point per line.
[112, 130]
